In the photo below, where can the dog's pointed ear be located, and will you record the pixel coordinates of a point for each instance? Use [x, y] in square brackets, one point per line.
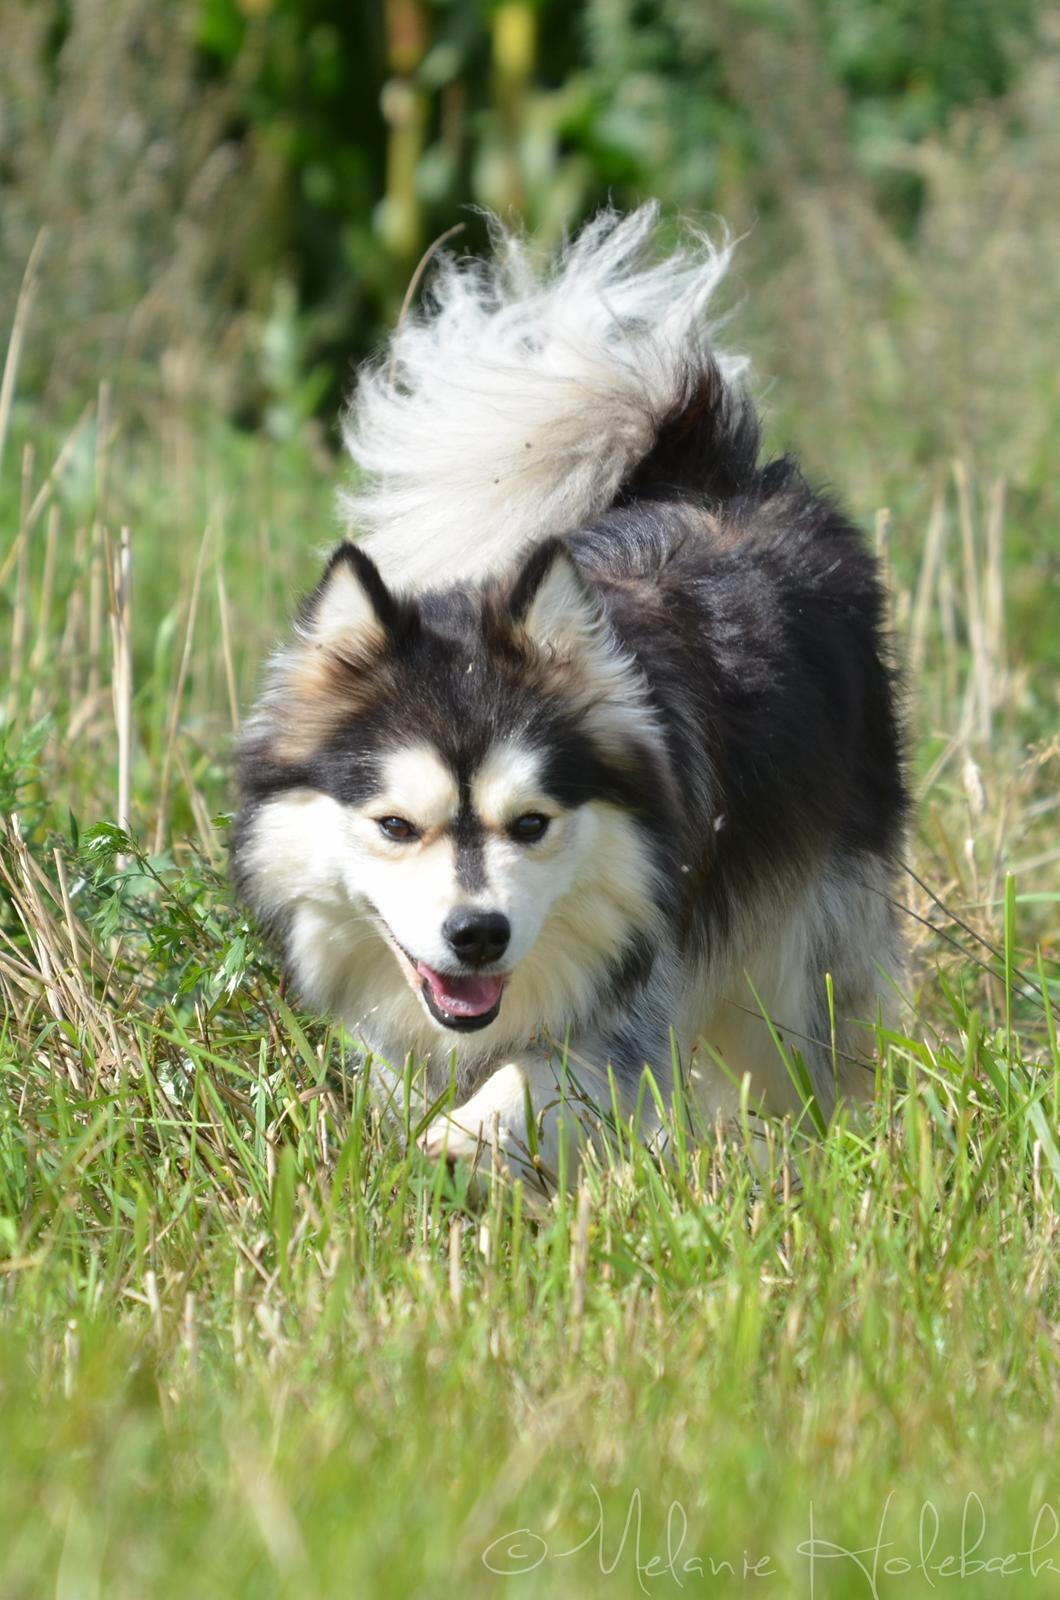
[552, 605]
[351, 607]
[557, 611]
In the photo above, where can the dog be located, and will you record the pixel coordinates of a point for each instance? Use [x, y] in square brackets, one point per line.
[587, 756]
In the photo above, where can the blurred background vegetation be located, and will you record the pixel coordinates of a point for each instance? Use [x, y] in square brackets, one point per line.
[235, 195]
[238, 190]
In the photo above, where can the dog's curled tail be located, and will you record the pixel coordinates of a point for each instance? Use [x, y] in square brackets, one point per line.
[524, 399]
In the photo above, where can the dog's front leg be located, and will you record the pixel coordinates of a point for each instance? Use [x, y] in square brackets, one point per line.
[528, 1105]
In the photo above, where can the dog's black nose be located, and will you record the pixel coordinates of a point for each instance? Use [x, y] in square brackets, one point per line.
[477, 937]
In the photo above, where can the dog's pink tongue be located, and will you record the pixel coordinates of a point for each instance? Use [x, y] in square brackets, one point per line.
[462, 997]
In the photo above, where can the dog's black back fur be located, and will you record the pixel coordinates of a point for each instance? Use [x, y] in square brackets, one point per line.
[761, 630]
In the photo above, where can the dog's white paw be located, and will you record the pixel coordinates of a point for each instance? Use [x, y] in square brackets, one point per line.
[449, 1139]
[494, 1117]
[490, 1129]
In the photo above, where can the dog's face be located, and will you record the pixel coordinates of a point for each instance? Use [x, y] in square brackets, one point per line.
[461, 868]
[452, 792]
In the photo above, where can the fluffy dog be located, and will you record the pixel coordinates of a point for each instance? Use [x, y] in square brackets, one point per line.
[585, 757]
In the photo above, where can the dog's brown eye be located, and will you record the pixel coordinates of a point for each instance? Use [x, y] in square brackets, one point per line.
[397, 828]
[528, 828]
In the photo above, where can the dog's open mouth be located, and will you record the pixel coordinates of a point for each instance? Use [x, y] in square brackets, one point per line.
[461, 1000]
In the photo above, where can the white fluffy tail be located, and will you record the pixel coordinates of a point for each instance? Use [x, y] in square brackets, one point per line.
[516, 405]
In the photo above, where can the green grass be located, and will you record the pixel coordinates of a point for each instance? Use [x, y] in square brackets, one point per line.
[251, 1346]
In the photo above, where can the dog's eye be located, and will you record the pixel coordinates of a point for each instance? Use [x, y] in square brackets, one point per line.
[529, 827]
[397, 828]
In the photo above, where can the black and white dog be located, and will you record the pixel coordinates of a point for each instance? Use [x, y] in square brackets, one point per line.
[585, 757]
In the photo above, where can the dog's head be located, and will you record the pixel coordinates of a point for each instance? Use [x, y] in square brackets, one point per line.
[464, 788]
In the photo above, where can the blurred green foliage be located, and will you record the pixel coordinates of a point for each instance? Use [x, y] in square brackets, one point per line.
[390, 117]
[248, 184]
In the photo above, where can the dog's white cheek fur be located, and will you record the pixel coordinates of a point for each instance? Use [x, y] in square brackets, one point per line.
[412, 887]
[293, 868]
[295, 851]
[612, 895]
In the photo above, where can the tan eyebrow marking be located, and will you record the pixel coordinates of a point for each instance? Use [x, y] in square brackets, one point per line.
[417, 785]
[507, 784]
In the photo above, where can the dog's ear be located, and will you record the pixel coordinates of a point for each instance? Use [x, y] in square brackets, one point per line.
[555, 609]
[351, 608]
[552, 605]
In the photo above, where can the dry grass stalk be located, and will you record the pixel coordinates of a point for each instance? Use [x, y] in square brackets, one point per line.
[61, 981]
[994, 586]
[63, 966]
[154, 1302]
[927, 584]
[68, 910]
[71, 645]
[95, 614]
[456, 1233]
[71, 1358]
[978, 694]
[579, 1264]
[948, 621]
[23, 306]
[177, 699]
[226, 648]
[189, 1333]
[20, 609]
[884, 530]
[119, 564]
[44, 605]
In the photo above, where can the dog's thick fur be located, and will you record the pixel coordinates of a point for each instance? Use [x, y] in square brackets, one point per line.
[588, 748]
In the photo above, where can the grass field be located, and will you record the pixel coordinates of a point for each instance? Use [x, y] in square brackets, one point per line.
[248, 1346]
